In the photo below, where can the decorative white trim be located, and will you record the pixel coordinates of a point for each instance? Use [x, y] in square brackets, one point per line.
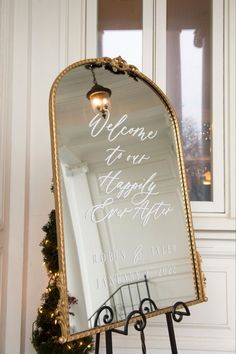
[81, 168]
[160, 43]
[91, 29]
[215, 235]
[18, 175]
[6, 34]
[188, 344]
[148, 37]
[64, 33]
[216, 249]
[76, 30]
[230, 106]
[4, 107]
[214, 222]
[72, 32]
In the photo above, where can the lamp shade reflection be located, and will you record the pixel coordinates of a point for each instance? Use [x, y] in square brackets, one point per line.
[99, 96]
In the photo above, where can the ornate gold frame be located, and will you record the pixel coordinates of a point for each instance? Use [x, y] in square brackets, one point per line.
[62, 308]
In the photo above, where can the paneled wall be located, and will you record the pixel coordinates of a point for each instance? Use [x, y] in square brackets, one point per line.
[38, 39]
[5, 60]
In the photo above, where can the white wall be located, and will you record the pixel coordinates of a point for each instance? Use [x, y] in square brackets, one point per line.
[38, 39]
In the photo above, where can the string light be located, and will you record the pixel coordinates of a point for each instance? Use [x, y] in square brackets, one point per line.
[47, 312]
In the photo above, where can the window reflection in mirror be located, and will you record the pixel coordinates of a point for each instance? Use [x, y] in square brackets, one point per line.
[120, 30]
[188, 79]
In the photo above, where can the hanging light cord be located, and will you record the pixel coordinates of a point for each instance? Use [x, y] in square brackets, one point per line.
[94, 77]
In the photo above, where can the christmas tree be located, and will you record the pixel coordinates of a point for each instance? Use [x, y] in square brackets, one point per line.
[46, 330]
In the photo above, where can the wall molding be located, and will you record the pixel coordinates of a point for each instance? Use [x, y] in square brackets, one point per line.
[65, 25]
[59, 37]
[76, 30]
[72, 32]
[230, 106]
[200, 333]
[6, 50]
[216, 248]
[5, 85]
[17, 209]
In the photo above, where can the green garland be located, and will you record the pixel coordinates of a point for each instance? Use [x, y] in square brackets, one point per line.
[46, 330]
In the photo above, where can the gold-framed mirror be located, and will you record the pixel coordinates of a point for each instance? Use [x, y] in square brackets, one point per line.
[124, 222]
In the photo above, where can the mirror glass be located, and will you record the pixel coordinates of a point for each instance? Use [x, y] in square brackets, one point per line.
[125, 229]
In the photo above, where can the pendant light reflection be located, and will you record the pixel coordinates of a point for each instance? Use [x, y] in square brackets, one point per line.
[99, 96]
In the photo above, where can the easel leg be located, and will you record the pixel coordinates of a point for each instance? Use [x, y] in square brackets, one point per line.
[108, 335]
[171, 333]
[97, 343]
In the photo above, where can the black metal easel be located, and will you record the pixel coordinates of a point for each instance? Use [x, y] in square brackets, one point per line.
[177, 312]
